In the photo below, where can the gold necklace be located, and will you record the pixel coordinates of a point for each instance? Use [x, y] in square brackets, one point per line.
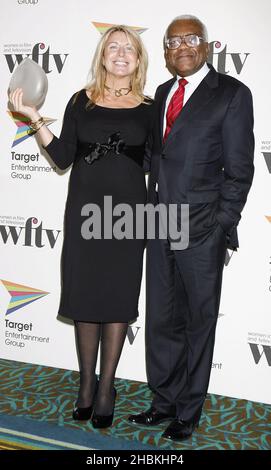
[119, 91]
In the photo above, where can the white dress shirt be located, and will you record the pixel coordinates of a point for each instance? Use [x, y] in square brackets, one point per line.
[193, 83]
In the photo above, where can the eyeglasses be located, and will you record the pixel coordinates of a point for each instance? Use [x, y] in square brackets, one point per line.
[191, 40]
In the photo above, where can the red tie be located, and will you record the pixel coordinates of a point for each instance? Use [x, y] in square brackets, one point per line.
[175, 106]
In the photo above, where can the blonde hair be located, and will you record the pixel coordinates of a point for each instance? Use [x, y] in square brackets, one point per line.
[96, 84]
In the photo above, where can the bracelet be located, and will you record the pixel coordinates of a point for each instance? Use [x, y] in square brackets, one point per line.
[34, 126]
[42, 124]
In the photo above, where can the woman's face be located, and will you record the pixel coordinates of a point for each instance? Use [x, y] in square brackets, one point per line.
[120, 56]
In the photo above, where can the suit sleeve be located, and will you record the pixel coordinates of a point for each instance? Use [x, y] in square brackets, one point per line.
[62, 149]
[149, 143]
[238, 151]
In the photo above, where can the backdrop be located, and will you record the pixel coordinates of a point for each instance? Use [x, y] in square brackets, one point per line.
[61, 36]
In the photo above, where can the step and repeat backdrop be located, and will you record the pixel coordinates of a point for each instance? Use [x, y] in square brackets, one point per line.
[61, 36]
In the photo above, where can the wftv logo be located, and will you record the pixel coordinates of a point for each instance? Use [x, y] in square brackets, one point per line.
[260, 346]
[257, 354]
[29, 234]
[103, 27]
[266, 151]
[131, 335]
[267, 157]
[44, 59]
[220, 59]
[21, 295]
[228, 257]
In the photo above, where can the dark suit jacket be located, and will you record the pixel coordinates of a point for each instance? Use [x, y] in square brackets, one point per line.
[207, 159]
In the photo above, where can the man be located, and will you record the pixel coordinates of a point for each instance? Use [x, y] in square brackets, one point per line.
[202, 155]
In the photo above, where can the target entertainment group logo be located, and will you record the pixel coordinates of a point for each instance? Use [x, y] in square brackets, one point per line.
[20, 334]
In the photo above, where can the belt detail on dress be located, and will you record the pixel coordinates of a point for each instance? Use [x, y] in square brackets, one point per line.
[97, 150]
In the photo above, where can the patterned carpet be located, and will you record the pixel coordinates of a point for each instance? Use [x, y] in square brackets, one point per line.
[36, 404]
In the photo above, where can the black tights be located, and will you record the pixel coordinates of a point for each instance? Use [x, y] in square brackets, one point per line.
[88, 337]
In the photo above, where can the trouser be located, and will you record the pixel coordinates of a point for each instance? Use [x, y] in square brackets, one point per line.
[182, 300]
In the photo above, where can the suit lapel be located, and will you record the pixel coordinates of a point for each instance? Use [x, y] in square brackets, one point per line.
[203, 93]
[162, 104]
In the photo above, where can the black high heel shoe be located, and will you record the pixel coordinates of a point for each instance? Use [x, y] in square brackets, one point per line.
[102, 421]
[83, 414]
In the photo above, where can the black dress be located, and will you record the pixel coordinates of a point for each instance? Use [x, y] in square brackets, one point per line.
[101, 278]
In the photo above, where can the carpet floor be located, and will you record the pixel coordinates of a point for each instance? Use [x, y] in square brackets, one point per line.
[36, 405]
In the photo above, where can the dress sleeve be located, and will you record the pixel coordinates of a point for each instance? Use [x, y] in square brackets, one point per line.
[62, 149]
[149, 142]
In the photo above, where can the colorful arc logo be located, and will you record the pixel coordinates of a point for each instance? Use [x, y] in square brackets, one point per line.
[22, 122]
[21, 295]
[103, 27]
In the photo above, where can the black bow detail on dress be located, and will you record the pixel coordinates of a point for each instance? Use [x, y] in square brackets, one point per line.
[97, 150]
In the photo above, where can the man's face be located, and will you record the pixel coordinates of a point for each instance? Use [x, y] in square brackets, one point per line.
[186, 60]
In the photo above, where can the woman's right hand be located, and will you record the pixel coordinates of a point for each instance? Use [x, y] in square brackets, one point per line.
[16, 99]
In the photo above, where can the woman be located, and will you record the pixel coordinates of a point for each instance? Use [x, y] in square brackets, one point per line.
[105, 129]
